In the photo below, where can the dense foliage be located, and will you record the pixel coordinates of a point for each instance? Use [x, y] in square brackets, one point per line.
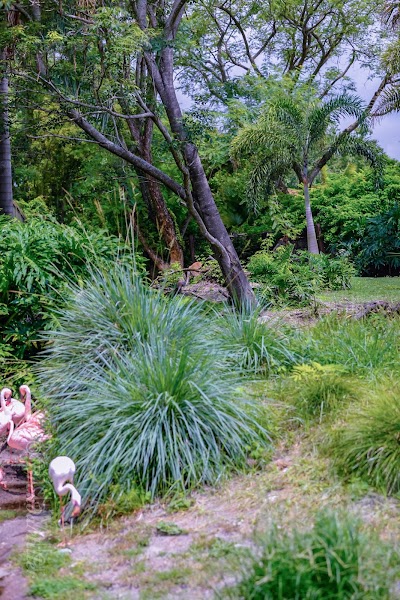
[368, 445]
[39, 256]
[295, 277]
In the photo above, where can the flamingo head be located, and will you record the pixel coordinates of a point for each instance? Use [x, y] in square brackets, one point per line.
[76, 510]
[24, 390]
[6, 393]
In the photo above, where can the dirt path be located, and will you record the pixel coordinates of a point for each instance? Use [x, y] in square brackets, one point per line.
[135, 558]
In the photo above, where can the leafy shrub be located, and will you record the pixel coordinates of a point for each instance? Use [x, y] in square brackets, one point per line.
[379, 251]
[362, 346]
[336, 560]
[336, 272]
[319, 389]
[140, 392]
[367, 443]
[295, 278]
[253, 345]
[37, 258]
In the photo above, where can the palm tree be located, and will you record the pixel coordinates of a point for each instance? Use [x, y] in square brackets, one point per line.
[297, 132]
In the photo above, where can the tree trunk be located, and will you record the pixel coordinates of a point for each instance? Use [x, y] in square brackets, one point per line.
[142, 134]
[159, 213]
[6, 185]
[164, 221]
[312, 244]
[206, 212]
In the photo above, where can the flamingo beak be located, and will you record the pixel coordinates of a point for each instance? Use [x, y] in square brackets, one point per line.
[76, 511]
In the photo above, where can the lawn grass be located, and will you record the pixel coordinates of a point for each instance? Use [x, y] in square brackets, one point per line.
[365, 289]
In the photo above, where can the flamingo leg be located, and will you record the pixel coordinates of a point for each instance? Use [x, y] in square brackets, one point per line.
[30, 484]
[62, 509]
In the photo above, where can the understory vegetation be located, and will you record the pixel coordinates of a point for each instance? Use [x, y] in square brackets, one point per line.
[194, 214]
[169, 386]
[334, 560]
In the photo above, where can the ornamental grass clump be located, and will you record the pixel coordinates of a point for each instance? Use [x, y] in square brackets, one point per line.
[319, 390]
[367, 442]
[335, 560]
[141, 394]
[254, 346]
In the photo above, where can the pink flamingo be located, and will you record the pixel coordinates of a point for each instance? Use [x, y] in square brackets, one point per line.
[62, 470]
[5, 412]
[28, 433]
[14, 407]
[25, 393]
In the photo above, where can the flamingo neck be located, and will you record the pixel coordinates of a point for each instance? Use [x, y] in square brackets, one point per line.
[28, 406]
[61, 490]
[11, 430]
[3, 398]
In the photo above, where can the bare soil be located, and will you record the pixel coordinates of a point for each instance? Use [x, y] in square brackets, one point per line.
[132, 559]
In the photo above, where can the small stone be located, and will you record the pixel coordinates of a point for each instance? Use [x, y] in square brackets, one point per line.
[65, 551]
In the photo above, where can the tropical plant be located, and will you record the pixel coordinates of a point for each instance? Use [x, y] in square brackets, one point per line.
[38, 256]
[366, 443]
[296, 132]
[295, 277]
[380, 245]
[140, 393]
[335, 560]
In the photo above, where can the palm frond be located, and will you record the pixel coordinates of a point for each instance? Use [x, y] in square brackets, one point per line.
[389, 101]
[331, 112]
[264, 174]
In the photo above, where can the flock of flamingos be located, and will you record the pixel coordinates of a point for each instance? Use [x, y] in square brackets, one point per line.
[24, 429]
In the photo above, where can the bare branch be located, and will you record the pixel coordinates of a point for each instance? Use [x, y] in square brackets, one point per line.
[174, 18]
[131, 158]
[340, 76]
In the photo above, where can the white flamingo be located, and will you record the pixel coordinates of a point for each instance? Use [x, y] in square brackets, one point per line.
[25, 393]
[61, 472]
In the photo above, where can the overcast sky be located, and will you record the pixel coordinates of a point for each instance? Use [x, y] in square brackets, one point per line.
[387, 130]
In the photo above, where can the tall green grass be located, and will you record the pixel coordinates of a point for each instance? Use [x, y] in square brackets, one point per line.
[319, 390]
[335, 560]
[366, 442]
[140, 391]
[253, 345]
[364, 347]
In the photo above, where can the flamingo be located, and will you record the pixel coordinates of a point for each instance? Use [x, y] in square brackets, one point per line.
[16, 407]
[5, 412]
[62, 470]
[25, 393]
[24, 436]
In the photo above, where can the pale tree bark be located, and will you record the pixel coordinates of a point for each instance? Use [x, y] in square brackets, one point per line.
[312, 243]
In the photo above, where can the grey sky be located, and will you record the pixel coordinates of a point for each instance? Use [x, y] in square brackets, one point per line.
[387, 130]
